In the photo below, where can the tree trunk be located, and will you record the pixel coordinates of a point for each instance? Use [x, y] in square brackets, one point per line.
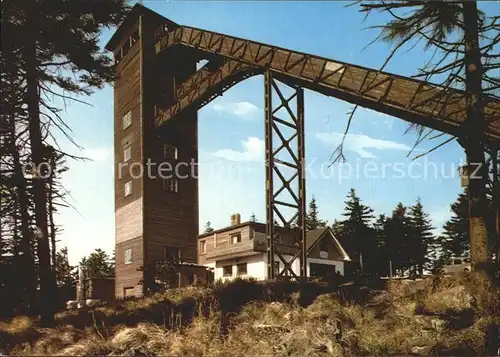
[475, 126]
[496, 200]
[51, 219]
[26, 240]
[47, 291]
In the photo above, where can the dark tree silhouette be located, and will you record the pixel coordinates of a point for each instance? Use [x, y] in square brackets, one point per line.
[454, 30]
[420, 237]
[208, 227]
[98, 264]
[357, 234]
[53, 45]
[312, 217]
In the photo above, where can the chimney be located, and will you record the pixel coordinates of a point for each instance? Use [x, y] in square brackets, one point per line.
[235, 219]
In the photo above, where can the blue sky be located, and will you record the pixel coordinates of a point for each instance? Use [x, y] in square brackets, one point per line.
[231, 128]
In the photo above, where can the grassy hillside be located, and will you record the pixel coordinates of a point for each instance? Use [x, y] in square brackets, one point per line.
[244, 318]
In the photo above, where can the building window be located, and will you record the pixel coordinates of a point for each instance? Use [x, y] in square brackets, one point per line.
[171, 185]
[227, 270]
[172, 254]
[128, 256]
[127, 153]
[127, 120]
[170, 152]
[236, 238]
[203, 247]
[241, 269]
[128, 188]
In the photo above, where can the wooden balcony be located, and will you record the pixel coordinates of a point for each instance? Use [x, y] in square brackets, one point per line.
[245, 248]
[234, 250]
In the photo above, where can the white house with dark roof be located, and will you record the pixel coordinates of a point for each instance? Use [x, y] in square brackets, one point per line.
[240, 250]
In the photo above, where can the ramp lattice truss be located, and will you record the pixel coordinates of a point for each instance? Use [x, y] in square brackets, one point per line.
[232, 59]
[285, 177]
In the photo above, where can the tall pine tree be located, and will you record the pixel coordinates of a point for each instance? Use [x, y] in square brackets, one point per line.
[208, 227]
[98, 264]
[357, 235]
[312, 218]
[55, 46]
[397, 238]
[64, 271]
[465, 38]
[420, 237]
[382, 252]
[456, 237]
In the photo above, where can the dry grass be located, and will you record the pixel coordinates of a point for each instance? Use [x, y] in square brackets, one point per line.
[425, 317]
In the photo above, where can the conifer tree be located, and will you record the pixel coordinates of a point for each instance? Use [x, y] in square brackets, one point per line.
[208, 227]
[64, 271]
[312, 217]
[397, 237]
[98, 264]
[357, 235]
[54, 45]
[420, 237]
[466, 40]
[337, 228]
[456, 241]
[382, 252]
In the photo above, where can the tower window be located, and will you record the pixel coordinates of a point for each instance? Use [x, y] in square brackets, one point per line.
[203, 247]
[127, 120]
[171, 185]
[127, 153]
[128, 188]
[172, 254]
[170, 152]
[236, 238]
[128, 256]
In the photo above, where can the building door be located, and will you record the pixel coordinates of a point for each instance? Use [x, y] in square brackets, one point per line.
[322, 270]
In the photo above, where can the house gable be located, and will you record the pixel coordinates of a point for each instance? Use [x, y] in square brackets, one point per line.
[322, 244]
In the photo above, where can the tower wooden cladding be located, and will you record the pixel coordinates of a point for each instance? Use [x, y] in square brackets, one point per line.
[156, 187]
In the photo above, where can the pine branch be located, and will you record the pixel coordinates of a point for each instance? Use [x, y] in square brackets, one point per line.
[434, 148]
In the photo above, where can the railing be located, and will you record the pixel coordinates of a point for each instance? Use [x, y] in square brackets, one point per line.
[236, 249]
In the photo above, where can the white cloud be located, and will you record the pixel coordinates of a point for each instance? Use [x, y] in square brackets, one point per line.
[359, 143]
[240, 109]
[253, 150]
[97, 154]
